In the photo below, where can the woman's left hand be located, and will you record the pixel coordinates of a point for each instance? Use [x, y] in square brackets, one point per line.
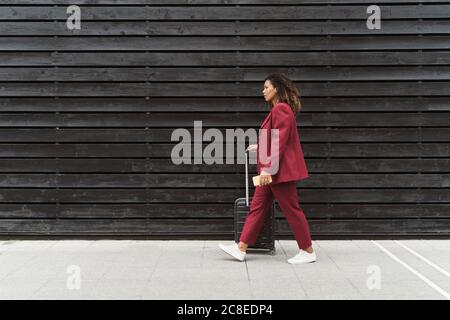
[264, 178]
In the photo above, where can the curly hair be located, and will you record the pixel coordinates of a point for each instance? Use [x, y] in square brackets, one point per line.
[286, 91]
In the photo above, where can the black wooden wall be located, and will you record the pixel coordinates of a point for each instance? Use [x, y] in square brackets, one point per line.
[86, 116]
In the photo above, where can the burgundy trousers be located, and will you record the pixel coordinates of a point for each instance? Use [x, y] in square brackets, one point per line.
[286, 195]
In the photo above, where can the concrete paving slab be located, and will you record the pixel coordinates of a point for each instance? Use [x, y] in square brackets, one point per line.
[172, 269]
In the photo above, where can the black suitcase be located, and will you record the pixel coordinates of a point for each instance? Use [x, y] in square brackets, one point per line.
[266, 239]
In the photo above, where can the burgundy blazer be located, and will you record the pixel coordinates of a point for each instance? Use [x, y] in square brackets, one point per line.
[292, 166]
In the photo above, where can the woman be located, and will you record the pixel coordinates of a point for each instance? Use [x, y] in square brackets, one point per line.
[283, 99]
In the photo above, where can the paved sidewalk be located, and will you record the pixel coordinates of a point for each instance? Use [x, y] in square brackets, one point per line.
[145, 269]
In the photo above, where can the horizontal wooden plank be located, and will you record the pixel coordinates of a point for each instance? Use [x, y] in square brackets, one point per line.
[166, 166]
[208, 195]
[218, 89]
[136, 135]
[27, 211]
[214, 226]
[366, 211]
[28, 195]
[235, 59]
[216, 104]
[232, 13]
[223, 74]
[118, 226]
[224, 180]
[219, 28]
[199, 210]
[124, 166]
[220, 120]
[215, 196]
[317, 150]
[224, 43]
[372, 227]
[106, 211]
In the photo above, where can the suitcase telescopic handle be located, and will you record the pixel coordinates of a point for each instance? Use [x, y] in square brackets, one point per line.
[246, 177]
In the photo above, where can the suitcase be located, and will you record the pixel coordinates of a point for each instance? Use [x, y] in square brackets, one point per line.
[266, 239]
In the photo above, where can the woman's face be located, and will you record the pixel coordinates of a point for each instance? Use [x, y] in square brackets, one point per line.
[269, 91]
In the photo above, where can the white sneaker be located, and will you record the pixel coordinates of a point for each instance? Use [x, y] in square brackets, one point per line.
[303, 257]
[233, 250]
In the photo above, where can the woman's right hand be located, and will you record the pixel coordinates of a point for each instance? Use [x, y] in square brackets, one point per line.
[252, 147]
